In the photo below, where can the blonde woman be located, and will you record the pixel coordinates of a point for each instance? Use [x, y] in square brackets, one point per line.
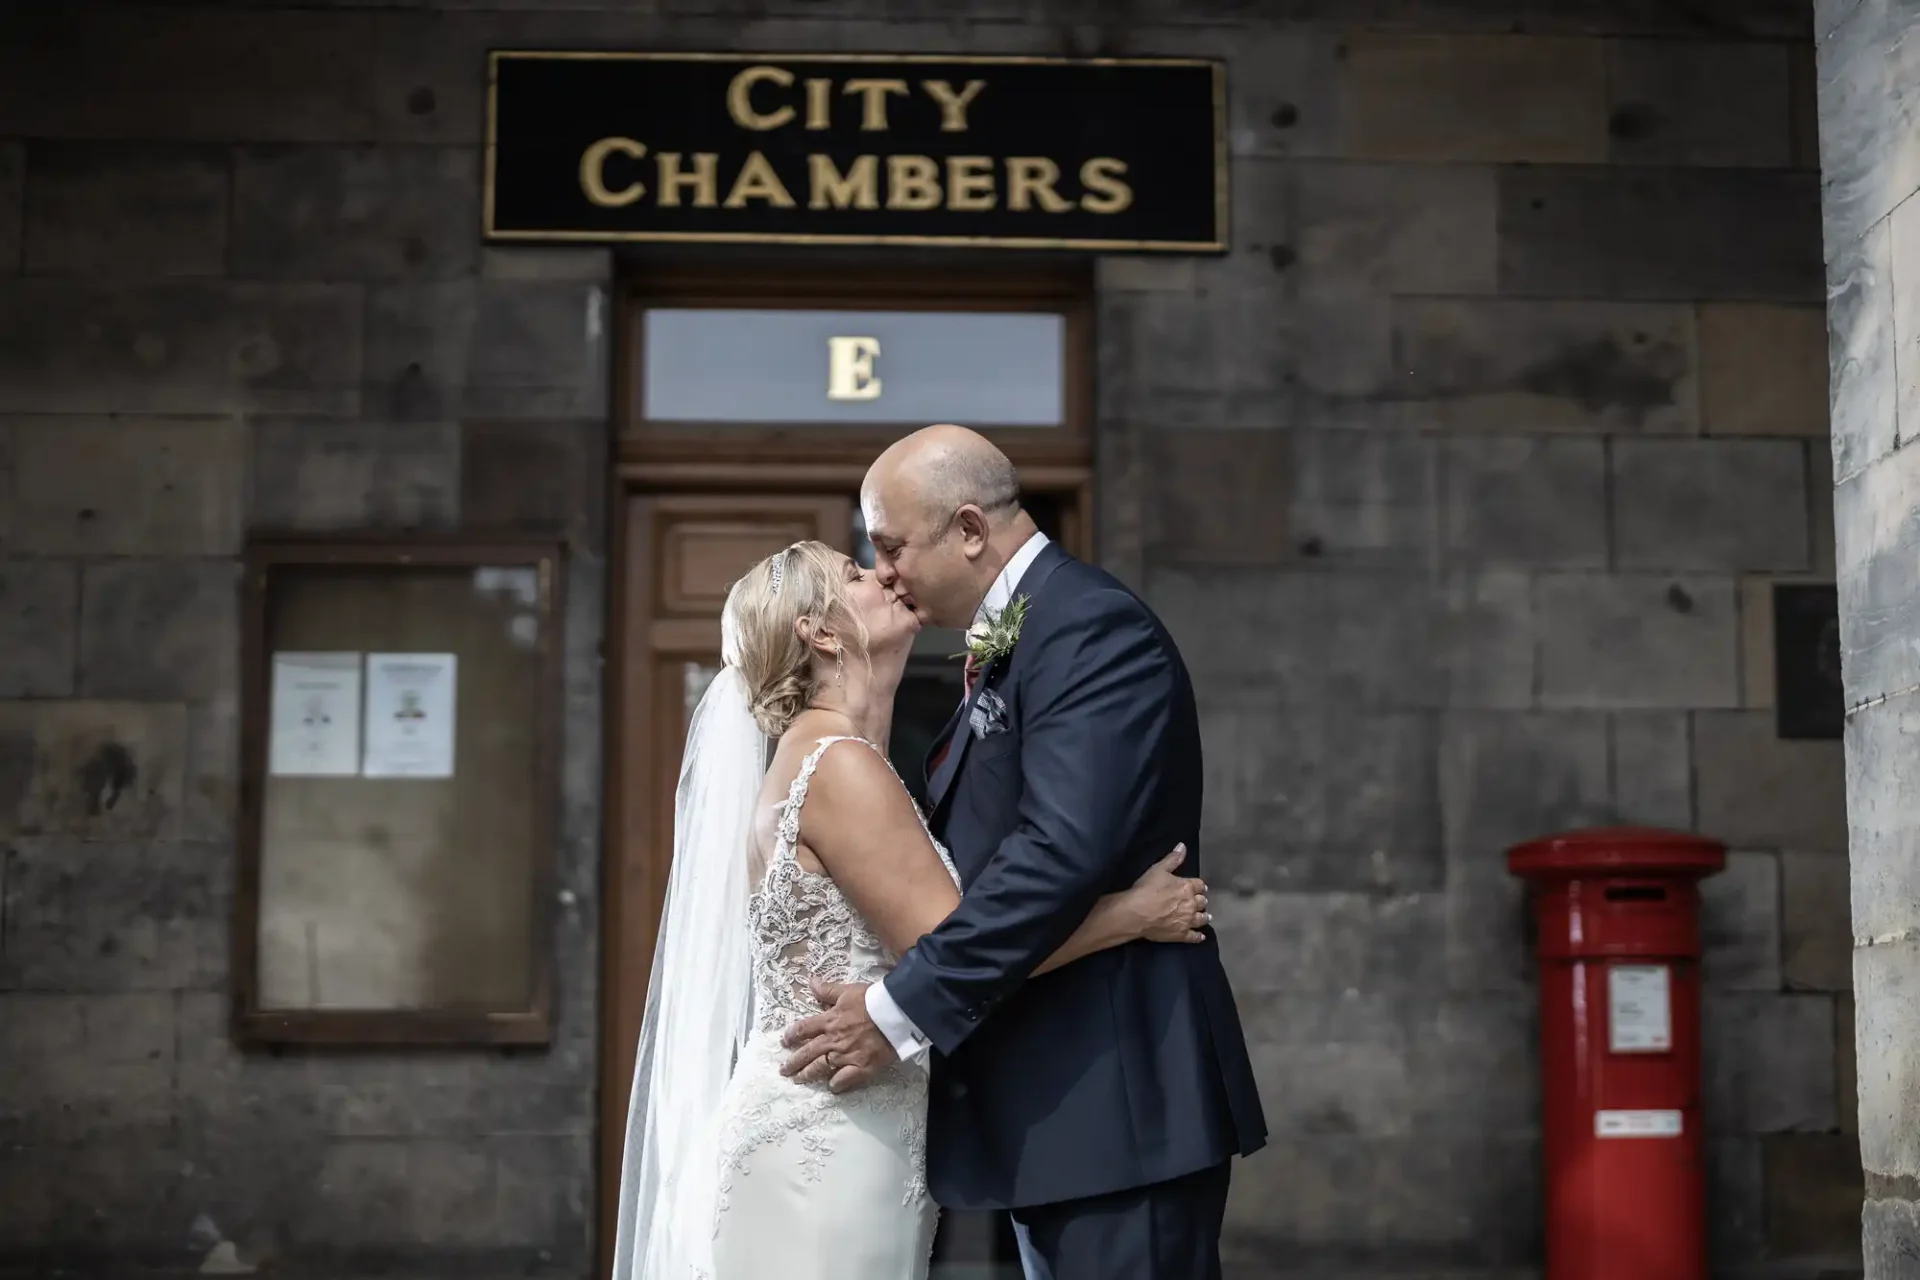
[792, 873]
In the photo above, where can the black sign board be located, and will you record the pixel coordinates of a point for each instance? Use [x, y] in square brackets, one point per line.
[1809, 700]
[1113, 154]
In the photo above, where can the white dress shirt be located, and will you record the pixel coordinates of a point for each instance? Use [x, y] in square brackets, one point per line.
[893, 1022]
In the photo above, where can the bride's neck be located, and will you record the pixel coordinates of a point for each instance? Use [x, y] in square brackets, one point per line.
[864, 699]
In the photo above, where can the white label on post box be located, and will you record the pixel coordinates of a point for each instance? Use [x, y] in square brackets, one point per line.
[1636, 1124]
[1639, 1012]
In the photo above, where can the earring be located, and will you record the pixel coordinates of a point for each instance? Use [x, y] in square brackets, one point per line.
[839, 667]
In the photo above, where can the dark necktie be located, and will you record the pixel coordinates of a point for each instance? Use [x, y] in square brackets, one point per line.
[970, 674]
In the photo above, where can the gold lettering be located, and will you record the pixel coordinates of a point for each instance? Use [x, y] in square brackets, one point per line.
[705, 179]
[970, 183]
[859, 188]
[758, 181]
[1101, 177]
[593, 173]
[850, 374]
[873, 107]
[913, 182]
[953, 106]
[1030, 182]
[740, 98]
[818, 112]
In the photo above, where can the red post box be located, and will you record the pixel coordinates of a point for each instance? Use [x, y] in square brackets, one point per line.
[1618, 912]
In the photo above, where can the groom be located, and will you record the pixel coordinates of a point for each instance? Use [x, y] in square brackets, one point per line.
[1102, 1102]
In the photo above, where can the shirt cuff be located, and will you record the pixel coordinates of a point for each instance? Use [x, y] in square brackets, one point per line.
[895, 1025]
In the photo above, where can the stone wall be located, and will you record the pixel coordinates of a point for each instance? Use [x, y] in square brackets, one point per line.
[1463, 477]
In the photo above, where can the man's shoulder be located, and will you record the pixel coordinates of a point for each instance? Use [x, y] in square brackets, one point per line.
[1078, 593]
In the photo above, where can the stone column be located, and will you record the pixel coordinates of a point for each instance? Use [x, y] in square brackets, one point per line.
[1869, 89]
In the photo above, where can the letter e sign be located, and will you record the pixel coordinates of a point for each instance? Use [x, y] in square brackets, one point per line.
[850, 374]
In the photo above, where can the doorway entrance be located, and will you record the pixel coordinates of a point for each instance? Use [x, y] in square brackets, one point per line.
[750, 406]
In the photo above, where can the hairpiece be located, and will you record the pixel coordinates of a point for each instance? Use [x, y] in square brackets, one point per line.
[777, 574]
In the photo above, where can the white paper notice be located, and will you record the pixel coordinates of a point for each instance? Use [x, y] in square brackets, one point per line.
[1636, 1124]
[1639, 1015]
[316, 716]
[410, 704]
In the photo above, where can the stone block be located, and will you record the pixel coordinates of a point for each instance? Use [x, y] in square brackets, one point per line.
[1814, 1194]
[544, 1187]
[1862, 343]
[1653, 769]
[1768, 1062]
[1846, 1068]
[84, 1069]
[126, 210]
[1816, 933]
[1498, 99]
[108, 917]
[1886, 1005]
[1757, 791]
[1219, 497]
[538, 350]
[1737, 505]
[1880, 772]
[1638, 643]
[340, 213]
[91, 770]
[1740, 924]
[1763, 370]
[13, 185]
[587, 264]
[361, 1197]
[1329, 941]
[1660, 233]
[536, 476]
[1363, 499]
[452, 1191]
[1890, 1237]
[211, 787]
[1876, 516]
[1526, 501]
[159, 629]
[129, 486]
[1736, 1197]
[1389, 229]
[180, 347]
[1304, 800]
[1526, 366]
[1699, 104]
[416, 349]
[39, 602]
[1870, 159]
[1206, 358]
[1828, 14]
[356, 475]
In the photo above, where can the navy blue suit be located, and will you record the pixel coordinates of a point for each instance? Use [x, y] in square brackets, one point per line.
[1100, 1102]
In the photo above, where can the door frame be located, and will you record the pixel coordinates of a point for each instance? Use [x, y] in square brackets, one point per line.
[802, 458]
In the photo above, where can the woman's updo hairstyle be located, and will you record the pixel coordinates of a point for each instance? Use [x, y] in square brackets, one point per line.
[769, 614]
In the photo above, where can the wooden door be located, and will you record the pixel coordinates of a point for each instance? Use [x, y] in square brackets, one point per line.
[681, 554]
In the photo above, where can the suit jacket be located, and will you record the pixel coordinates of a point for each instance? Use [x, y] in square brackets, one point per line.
[1073, 766]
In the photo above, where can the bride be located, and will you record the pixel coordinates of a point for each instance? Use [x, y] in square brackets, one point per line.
[814, 868]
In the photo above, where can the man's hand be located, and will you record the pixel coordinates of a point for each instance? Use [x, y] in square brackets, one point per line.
[841, 1047]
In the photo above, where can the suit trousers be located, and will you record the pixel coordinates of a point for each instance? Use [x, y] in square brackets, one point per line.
[1167, 1231]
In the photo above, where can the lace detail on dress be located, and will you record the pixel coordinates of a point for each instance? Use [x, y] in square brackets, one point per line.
[803, 927]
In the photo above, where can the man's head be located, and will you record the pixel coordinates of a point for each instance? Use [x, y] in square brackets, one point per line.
[943, 512]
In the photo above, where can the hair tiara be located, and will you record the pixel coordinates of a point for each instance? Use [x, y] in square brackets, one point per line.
[778, 572]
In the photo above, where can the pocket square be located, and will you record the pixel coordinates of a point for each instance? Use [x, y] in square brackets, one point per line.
[989, 715]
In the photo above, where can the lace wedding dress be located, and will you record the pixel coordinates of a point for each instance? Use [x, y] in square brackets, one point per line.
[816, 1185]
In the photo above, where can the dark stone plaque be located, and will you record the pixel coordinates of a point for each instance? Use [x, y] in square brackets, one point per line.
[1809, 699]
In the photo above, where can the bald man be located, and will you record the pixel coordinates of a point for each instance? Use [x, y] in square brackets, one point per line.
[1103, 1102]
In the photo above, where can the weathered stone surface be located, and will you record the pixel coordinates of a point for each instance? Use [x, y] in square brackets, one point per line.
[1203, 358]
[337, 213]
[1846, 1070]
[1736, 1197]
[1890, 1237]
[1757, 791]
[1710, 504]
[1870, 160]
[13, 183]
[543, 1185]
[1653, 769]
[1631, 643]
[82, 1067]
[91, 916]
[93, 770]
[1527, 501]
[535, 476]
[1828, 14]
[1660, 233]
[1330, 941]
[1494, 99]
[211, 787]
[39, 602]
[1816, 935]
[190, 347]
[1886, 1006]
[126, 210]
[1876, 516]
[159, 629]
[1881, 792]
[348, 475]
[524, 262]
[1694, 103]
[1218, 497]
[129, 486]
[1740, 924]
[1514, 365]
[537, 350]
[1366, 500]
[1861, 352]
[1763, 370]
[1307, 800]
[1394, 229]
[1769, 1062]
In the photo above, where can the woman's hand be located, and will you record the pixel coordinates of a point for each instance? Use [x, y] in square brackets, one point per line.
[1168, 907]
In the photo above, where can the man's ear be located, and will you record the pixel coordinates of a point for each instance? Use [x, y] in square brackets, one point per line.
[974, 531]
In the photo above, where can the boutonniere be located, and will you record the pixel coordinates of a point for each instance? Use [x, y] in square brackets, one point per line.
[993, 638]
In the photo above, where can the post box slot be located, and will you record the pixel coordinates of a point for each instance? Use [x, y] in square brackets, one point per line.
[1635, 893]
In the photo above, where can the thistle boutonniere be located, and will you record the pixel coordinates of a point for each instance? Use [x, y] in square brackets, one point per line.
[994, 637]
